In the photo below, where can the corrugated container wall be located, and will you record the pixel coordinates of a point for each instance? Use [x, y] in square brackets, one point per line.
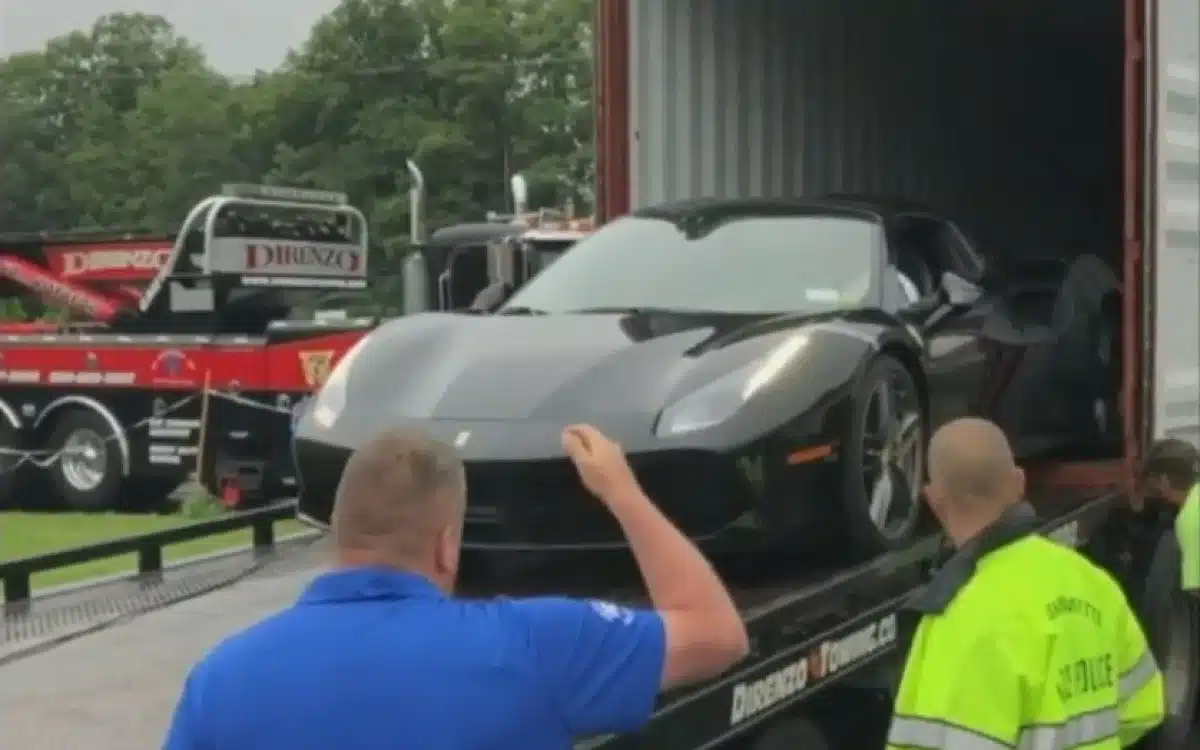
[923, 98]
[1175, 186]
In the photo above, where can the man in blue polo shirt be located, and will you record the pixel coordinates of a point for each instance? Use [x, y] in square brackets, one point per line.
[377, 654]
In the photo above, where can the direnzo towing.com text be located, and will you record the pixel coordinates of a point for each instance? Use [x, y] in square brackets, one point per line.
[828, 658]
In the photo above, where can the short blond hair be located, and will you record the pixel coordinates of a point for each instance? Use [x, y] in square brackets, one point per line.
[397, 491]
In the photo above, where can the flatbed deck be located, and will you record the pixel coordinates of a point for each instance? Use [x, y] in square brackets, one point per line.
[115, 689]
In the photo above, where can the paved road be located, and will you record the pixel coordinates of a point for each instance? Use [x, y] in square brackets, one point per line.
[114, 690]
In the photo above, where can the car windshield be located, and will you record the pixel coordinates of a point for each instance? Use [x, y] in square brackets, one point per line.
[756, 264]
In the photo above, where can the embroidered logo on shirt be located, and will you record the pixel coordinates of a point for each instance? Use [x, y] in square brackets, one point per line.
[612, 612]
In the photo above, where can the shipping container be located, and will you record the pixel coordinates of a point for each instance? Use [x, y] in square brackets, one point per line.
[1042, 128]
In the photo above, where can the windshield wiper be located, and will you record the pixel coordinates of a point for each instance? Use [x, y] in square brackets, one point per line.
[521, 311]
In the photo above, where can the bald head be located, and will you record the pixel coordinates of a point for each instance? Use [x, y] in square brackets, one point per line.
[397, 494]
[971, 463]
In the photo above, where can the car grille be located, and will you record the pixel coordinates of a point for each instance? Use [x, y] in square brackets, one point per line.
[544, 504]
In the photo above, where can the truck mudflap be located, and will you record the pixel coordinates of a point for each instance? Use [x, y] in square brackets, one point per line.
[247, 455]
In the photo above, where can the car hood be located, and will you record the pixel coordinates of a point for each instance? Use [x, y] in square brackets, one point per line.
[550, 367]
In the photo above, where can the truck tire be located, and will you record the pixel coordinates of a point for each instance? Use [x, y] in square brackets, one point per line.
[1172, 622]
[793, 734]
[87, 474]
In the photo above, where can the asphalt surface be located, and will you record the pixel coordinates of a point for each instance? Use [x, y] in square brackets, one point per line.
[114, 689]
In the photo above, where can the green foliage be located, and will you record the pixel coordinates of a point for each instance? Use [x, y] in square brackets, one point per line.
[198, 504]
[126, 125]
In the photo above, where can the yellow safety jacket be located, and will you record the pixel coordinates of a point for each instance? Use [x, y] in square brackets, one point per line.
[1187, 531]
[1024, 643]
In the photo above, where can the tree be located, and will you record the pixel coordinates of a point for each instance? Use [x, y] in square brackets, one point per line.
[125, 124]
[183, 142]
[473, 90]
[97, 112]
[558, 152]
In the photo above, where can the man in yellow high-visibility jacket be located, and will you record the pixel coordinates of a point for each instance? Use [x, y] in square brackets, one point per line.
[1171, 472]
[1022, 642]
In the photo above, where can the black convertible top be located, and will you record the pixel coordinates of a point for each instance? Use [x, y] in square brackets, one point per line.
[840, 204]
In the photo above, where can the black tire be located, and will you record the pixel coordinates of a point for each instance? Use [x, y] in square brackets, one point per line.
[903, 521]
[793, 734]
[68, 483]
[1172, 622]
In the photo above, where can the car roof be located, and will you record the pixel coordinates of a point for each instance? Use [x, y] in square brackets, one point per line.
[840, 204]
[882, 204]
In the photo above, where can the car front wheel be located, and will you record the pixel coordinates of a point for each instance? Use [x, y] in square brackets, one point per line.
[884, 462]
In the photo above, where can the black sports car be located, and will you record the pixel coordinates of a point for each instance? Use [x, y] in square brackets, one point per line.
[769, 366]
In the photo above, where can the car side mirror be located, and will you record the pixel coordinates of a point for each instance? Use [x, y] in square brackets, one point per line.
[491, 298]
[503, 295]
[960, 292]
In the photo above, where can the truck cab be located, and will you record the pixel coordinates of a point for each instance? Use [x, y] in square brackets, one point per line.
[475, 266]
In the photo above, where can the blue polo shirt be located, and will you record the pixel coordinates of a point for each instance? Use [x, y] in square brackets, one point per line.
[373, 659]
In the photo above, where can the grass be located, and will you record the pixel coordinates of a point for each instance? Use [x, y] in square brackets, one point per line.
[23, 534]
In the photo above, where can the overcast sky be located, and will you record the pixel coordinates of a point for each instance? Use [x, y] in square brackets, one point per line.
[239, 36]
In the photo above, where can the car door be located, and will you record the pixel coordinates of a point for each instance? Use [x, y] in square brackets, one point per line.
[951, 321]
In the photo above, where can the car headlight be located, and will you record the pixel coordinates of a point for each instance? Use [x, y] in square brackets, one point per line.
[716, 402]
[330, 400]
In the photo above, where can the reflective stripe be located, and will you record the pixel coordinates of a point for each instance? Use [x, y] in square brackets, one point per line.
[1137, 676]
[1080, 730]
[929, 734]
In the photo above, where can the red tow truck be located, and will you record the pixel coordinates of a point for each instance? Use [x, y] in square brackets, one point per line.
[186, 355]
[181, 355]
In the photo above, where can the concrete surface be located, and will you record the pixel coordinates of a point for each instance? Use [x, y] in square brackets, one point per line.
[115, 689]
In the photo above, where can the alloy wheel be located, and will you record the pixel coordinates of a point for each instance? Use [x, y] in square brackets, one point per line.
[893, 457]
[84, 459]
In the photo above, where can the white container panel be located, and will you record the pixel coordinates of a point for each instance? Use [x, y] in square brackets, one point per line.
[1176, 220]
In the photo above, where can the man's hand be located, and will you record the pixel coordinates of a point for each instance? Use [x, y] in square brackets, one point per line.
[703, 632]
[600, 462]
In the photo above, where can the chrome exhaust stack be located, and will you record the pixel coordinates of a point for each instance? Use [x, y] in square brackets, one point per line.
[416, 199]
[520, 194]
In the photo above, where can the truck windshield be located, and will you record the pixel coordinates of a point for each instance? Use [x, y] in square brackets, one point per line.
[756, 264]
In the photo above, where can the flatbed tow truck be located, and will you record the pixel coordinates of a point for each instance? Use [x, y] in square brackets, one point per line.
[827, 648]
[946, 101]
[826, 642]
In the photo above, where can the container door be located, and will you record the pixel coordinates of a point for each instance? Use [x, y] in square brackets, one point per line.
[1175, 232]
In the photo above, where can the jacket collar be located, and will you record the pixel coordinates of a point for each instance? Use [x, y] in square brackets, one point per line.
[1014, 524]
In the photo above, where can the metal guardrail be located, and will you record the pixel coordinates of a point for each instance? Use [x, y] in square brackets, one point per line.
[16, 575]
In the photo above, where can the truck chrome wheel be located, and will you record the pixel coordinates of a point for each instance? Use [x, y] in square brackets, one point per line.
[83, 460]
[893, 458]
